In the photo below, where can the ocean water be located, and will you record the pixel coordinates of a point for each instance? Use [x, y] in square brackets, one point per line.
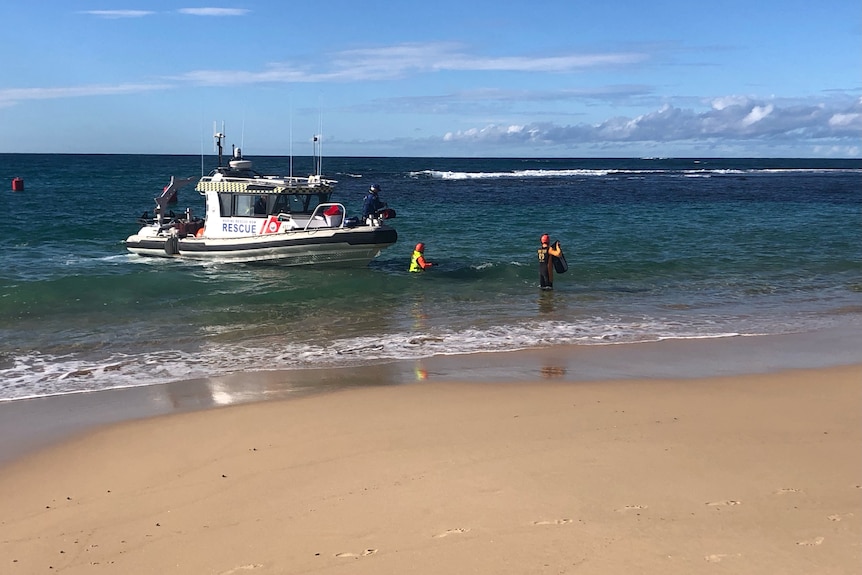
[657, 249]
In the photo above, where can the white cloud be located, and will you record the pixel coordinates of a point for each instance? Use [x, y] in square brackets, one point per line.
[756, 114]
[113, 14]
[568, 63]
[727, 101]
[834, 122]
[273, 74]
[14, 95]
[845, 120]
[214, 11]
[395, 61]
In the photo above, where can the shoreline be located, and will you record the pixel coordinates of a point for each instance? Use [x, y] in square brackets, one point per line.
[755, 474]
[35, 423]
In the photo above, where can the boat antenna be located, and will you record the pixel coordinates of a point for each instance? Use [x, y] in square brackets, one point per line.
[320, 144]
[290, 136]
[218, 136]
[314, 144]
[202, 152]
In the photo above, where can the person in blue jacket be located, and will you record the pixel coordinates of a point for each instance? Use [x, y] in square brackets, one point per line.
[372, 203]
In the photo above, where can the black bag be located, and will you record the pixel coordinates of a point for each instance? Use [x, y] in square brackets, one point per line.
[560, 265]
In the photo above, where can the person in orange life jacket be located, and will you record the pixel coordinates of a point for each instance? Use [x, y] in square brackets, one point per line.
[417, 262]
[546, 263]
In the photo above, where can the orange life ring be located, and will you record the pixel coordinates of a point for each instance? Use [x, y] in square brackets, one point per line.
[199, 233]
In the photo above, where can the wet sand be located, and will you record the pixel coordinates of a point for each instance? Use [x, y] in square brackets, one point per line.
[742, 473]
[29, 424]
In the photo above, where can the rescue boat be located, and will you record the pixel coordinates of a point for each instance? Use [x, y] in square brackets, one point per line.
[252, 217]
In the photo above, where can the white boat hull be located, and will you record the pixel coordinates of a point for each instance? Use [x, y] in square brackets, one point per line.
[312, 247]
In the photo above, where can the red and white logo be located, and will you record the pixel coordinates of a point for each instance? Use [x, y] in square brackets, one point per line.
[270, 226]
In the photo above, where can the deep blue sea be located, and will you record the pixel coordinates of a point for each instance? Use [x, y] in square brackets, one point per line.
[657, 249]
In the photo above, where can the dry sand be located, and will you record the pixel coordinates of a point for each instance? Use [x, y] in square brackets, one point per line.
[753, 474]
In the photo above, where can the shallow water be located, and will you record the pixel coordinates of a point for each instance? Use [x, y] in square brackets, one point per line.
[657, 249]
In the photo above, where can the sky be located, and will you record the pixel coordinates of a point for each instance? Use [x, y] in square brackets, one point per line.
[467, 78]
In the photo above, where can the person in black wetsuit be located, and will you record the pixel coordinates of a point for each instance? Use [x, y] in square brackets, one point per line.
[546, 262]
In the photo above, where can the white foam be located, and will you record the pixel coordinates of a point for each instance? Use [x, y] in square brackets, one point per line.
[687, 173]
[36, 374]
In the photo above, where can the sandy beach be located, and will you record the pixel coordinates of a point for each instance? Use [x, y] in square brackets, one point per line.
[756, 474]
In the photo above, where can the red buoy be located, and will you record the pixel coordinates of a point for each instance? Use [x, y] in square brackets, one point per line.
[17, 185]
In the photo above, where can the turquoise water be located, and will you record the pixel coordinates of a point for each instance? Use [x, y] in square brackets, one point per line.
[657, 249]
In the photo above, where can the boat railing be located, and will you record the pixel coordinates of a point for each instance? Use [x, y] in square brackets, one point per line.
[317, 219]
[327, 215]
[310, 182]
